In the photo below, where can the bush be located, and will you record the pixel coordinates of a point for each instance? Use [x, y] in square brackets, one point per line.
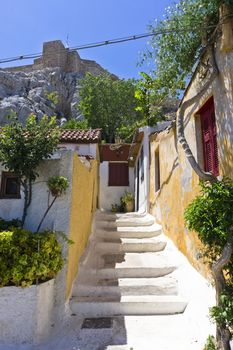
[57, 185]
[210, 213]
[210, 343]
[6, 225]
[223, 313]
[27, 258]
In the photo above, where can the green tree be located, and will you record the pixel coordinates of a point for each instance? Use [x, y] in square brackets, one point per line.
[109, 104]
[22, 149]
[75, 124]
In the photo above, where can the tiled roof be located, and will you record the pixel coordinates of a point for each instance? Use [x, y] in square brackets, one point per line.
[80, 136]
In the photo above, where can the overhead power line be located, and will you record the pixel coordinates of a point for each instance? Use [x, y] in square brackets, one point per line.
[104, 43]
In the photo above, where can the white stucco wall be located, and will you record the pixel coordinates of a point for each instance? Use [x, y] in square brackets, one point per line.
[58, 219]
[60, 165]
[82, 149]
[109, 195]
[26, 313]
[143, 172]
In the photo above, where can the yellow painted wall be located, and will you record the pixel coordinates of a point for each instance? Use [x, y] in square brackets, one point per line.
[179, 183]
[178, 186]
[83, 205]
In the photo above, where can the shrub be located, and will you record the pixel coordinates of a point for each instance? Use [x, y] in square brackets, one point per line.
[5, 225]
[210, 343]
[27, 258]
[223, 313]
[57, 185]
[127, 197]
[210, 213]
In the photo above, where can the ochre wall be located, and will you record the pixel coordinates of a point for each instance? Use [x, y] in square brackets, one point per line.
[83, 205]
[178, 186]
[179, 183]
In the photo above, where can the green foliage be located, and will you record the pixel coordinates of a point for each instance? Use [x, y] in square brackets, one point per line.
[6, 225]
[210, 343]
[149, 101]
[110, 104]
[173, 53]
[22, 148]
[127, 197]
[75, 124]
[52, 97]
[27, 257]
[223, 313]
[57, 185]
[210, 213]
[117, 208]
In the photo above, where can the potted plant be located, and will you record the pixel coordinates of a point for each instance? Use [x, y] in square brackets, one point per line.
[57, 185]
[127, 200]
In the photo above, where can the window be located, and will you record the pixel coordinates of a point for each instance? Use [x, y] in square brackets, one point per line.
[118, 174]
[10, 185]
[157, 171]
[209, 137]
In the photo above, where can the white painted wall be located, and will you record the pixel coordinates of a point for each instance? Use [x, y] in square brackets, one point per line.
[60, 164]
[143, 172]
[58, 219]
[82, 149]
[26, 313]
[109, 195]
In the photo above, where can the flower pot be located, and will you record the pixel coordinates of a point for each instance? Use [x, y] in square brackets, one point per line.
[129, 206]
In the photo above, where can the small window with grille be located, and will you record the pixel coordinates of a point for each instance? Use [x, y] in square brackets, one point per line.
[10, 186]
[209, 137]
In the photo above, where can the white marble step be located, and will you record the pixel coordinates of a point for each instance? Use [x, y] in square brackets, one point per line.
[131, 245]
[135, 265]
[109, 216]
[166, 285]
[128, 305]
[125, 221]
[130, 232]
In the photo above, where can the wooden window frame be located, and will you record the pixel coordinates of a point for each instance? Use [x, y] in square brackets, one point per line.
[118, 181]
[209, 137]
[5, 176]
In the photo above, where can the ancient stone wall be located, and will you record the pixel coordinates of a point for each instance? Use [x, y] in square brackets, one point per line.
[56, 55]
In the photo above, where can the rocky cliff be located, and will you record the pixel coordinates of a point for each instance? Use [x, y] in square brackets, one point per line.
[27, 89]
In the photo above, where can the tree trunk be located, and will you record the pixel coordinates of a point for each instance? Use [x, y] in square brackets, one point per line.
[26, 196]
[180, 123]
[45, 214]
[222, 334]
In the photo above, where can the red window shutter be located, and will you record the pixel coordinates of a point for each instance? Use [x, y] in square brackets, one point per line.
[118, 174]
[209, 135]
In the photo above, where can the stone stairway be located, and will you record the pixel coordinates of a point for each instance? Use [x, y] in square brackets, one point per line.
[126, 270]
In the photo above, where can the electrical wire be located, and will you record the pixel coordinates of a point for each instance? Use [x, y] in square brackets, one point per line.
[104, 43]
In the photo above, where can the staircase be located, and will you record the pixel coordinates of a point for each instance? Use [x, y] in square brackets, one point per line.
[126, 270]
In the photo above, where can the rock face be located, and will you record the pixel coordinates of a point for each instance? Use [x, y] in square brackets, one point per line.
[26, 89]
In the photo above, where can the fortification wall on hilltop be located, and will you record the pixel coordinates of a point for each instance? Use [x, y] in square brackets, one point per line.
[56, 55]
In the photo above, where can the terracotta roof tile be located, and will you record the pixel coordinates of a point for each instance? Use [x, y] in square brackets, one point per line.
[80, 136]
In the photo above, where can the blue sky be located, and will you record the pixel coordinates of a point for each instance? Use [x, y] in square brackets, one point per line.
[26, 24]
